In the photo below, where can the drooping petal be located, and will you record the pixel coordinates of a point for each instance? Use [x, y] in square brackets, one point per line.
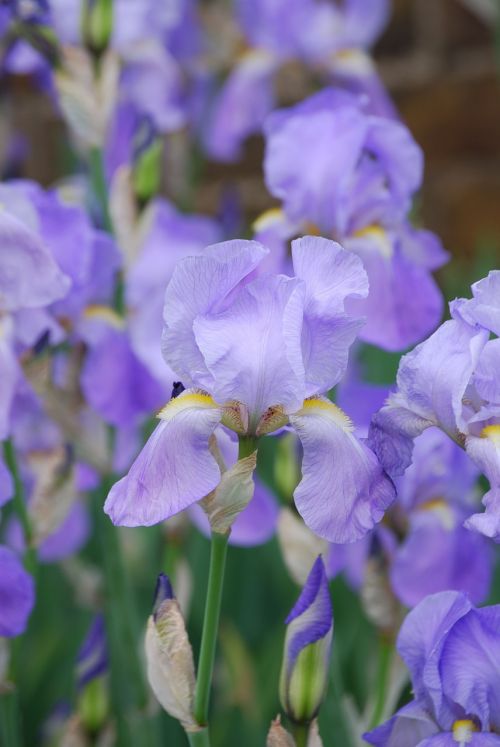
[434, 558]
[201, 285]
[252, 349]
[241, 106]
[17, 594]
[115, 383]
[450, 740]
[404, 304]
[331, 275]
[175, 467]
[344, 490]
[29, 276]
[408, 727]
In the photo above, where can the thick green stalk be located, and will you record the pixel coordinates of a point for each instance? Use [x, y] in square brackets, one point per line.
[99, 187]
[210, 627]
[20, 507]
[382, 682]
[300, 733]
[199, 738]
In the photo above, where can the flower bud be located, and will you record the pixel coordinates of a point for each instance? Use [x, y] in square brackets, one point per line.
[92, 663]
[97, 24]
[147, 159]
[170, 664]
[306, 658]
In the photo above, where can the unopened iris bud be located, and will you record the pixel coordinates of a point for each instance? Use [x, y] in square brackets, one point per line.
[306, 658]
[97, 24]
[91, 665]
[147, 156]
[169, 656]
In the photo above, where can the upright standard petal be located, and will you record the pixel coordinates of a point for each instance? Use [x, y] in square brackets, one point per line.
[17, 594]
[421, 640]
[344, 491]
[331, 276]
[174, 469]
[252, 349]
[469, 666]
[484, 307]
[201, 285]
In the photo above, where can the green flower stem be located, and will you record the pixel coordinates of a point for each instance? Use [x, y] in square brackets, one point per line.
[20, 507]
[100, 190]
[210, 626]
[386, 651]
[301, 733]
[10, 732]
[99, 187]
[199, 738]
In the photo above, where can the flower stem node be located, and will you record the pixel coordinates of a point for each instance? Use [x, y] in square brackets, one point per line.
[306, 659]
[170, 665]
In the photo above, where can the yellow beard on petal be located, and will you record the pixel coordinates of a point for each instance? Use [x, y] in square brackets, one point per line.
[185, 401]
[493, 433]
[463, 730]
[379, 237]
[329, 409]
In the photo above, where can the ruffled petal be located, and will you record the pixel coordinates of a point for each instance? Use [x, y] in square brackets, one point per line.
[175, 467]
[29, 275]
[344, 490]
[420, 644]
[201, 285]
[253, 350]
[407, 728]
[469, 666]
[331, 275]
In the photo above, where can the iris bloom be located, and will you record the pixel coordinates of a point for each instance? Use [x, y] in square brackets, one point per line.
[257, 353]
[451, 381]
[452, 651]
[353, 175]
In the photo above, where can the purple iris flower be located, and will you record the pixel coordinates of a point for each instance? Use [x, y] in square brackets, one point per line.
[306, 658]
[17, 594]
[92, 659]
[30, 280]
[451, 381]
[317, 32]
[436, 495]
[353, 175]
[452, 650]
[257, 352]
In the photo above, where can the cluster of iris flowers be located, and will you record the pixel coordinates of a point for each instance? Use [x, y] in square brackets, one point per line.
[158, 370]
